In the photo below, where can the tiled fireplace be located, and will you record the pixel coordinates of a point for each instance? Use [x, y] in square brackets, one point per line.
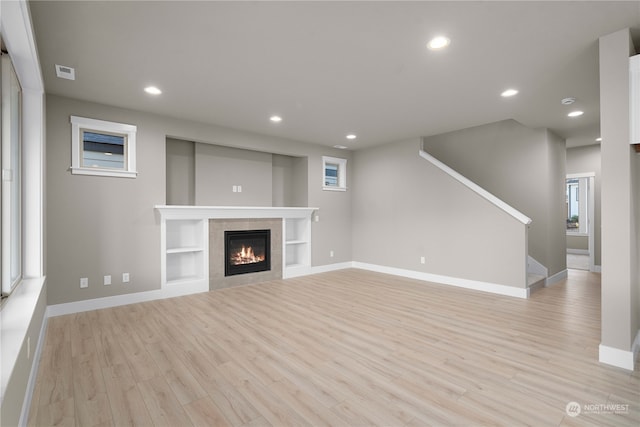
[236, 254]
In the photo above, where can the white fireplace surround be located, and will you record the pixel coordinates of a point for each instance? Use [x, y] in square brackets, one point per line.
[184, 241]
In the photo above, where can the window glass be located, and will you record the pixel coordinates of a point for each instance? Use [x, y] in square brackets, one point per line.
[102, 150]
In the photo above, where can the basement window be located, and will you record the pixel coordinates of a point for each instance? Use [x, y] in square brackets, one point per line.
[103, 148]
[334, 174]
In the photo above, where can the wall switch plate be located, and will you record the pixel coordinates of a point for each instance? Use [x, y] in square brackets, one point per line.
[125, 277]
[239, 188]
[422, 260]
[331, 254]
[84, 282]
[317, 218]
[107, 280]
[234, 188]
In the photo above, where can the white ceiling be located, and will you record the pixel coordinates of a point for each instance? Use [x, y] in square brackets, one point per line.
[332, 68]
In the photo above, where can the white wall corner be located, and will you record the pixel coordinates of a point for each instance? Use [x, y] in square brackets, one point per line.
[615, 357]
[556, 278]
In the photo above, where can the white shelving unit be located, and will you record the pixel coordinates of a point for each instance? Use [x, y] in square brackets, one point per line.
[297, 246]
[185, 253]
[185, 241]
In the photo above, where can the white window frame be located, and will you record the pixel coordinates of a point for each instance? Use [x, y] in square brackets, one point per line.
[11, 191]
[80, 124]
[342, 173]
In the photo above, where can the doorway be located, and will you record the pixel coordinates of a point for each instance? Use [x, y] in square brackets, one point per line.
[579, 200]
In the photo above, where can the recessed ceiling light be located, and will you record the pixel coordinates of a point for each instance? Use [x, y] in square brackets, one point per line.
[438, 43]
[351, 136]
[152, 90]
[575, 113]
[275, 119]
[509, 92]
[599, 139]
[341, 147]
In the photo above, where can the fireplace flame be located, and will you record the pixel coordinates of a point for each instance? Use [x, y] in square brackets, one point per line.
[246, 256]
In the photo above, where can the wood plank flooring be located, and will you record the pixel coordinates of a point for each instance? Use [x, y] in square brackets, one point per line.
[347, 348]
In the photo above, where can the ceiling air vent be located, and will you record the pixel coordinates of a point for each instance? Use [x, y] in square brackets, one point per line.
[65, 72]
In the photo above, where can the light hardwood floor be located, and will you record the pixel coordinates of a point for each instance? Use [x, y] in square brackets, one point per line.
[347, 348]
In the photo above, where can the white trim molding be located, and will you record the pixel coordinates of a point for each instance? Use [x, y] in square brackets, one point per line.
[475, 285]
[331, 267]
[615, 357]
[476, 188]
[556, 278]
[78, 124]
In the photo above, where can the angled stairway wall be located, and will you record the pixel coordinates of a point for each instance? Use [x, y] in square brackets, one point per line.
[406, 208]
[522, 166]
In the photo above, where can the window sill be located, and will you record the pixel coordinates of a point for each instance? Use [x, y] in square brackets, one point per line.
[577, 234]
[334, 188]
[104, 172]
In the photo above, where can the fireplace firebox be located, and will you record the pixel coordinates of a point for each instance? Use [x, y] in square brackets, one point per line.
[247, 251]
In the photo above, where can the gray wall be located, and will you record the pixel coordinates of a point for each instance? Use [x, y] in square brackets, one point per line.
[524, 167]
[581, 160]
[102, 225]
[218, 169]
[181, 172]
[405, 208]
[620, 276]
[578, 242]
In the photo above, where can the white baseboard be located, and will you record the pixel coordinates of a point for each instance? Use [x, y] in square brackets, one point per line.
[123, 299]
[614, 356]
[578, 251]
[331, 267]
[33, 375]
[447, 280]
[558, 277]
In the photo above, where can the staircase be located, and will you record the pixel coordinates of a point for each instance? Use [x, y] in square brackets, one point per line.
[536, 275]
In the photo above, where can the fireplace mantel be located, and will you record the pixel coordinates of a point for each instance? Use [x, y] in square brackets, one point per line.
[213, 212]
[184, 241]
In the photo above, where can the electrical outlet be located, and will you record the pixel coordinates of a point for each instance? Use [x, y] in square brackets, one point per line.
[84, 282]
[422, 260]
[107, 280]
[125, 277]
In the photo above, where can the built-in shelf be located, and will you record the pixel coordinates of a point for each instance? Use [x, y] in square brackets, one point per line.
[184, 240]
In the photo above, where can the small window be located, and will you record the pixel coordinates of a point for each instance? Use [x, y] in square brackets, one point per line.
[334, 174]
[103, 148]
